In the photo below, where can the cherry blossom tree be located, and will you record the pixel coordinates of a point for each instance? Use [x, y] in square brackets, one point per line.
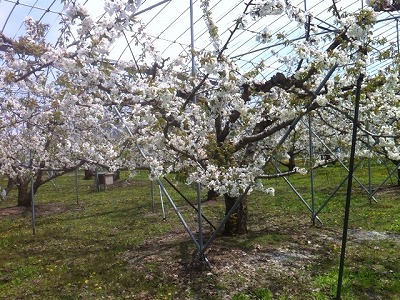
[48, 126]
[221, 127]
[218, 126]
[380, 125]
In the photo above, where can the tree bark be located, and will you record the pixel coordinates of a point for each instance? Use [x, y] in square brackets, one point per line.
[398, 177]
[396, 163]
[237, 222]
[24, 194]
[88, 174]
[292, 161]
[117, 175]
[25, 189]
[211, 195]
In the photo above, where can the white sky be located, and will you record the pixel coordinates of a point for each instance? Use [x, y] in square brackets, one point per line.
[169, 23]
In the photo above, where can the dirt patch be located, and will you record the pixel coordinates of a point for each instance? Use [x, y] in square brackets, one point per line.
[389, 190]
[283, 267]
[13, 211]
[232, 268]
[40, 210]
[364, 235]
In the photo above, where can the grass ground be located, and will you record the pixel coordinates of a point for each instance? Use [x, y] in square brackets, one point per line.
[113, 245]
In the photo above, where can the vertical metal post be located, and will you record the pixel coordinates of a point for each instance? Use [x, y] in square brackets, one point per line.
[97, 181]
[349, 187]
[162, 187]
[178, 213]
[369, 168]
[152, 195]
[33, 207]
[310, 137]
[398, 38]
[199, 214]
[200, 221]
[76, 186]
[192, 37]
[311, 149]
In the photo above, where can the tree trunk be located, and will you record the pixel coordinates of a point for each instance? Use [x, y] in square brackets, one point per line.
[397, 164]
[117, 175]
[292, 161]
[398, 176]
[237, 222]
[24, 194]
[25, 189]
[89, 174]
[212, 195]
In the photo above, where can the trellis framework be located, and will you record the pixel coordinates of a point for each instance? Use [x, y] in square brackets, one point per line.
[184, 32]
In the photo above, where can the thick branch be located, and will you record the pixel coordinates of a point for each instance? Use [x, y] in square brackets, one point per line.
[232, 32]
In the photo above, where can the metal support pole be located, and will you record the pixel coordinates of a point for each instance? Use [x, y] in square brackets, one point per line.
[76, 187]
[349, 187]
[369, 166]
[386, 179]
[390, 173]
[192, 37]
[97, 181]
[223, 222]
[296, 120]
[163, 189]
[150, 7]
[398, 38]
[33, 207]
[185, 225]
[343, 165]
[162, 204]
[297, 193]
[200, 224]
[152, 195]
[335, 191]
[187, 200]
[311, 149]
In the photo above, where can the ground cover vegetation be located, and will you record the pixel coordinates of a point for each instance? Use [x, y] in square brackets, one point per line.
[68, 104]
[112, 245]
[215, 124]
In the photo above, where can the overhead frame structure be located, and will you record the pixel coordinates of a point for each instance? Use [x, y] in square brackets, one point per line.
[175, 37]
[185, 31]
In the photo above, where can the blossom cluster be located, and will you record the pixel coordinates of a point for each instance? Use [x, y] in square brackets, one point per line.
[219, 127]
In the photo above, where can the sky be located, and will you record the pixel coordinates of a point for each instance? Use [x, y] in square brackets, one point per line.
[168, 22]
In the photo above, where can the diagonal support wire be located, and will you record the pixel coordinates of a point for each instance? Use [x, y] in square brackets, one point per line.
[187, 200]
[297, 120]
[223, 222]
[343, 165]
[336, 190]
[162, 187]
[384, 181]
[200, 245]
[311, 209]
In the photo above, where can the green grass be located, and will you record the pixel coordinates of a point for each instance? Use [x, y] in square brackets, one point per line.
[112, 245]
